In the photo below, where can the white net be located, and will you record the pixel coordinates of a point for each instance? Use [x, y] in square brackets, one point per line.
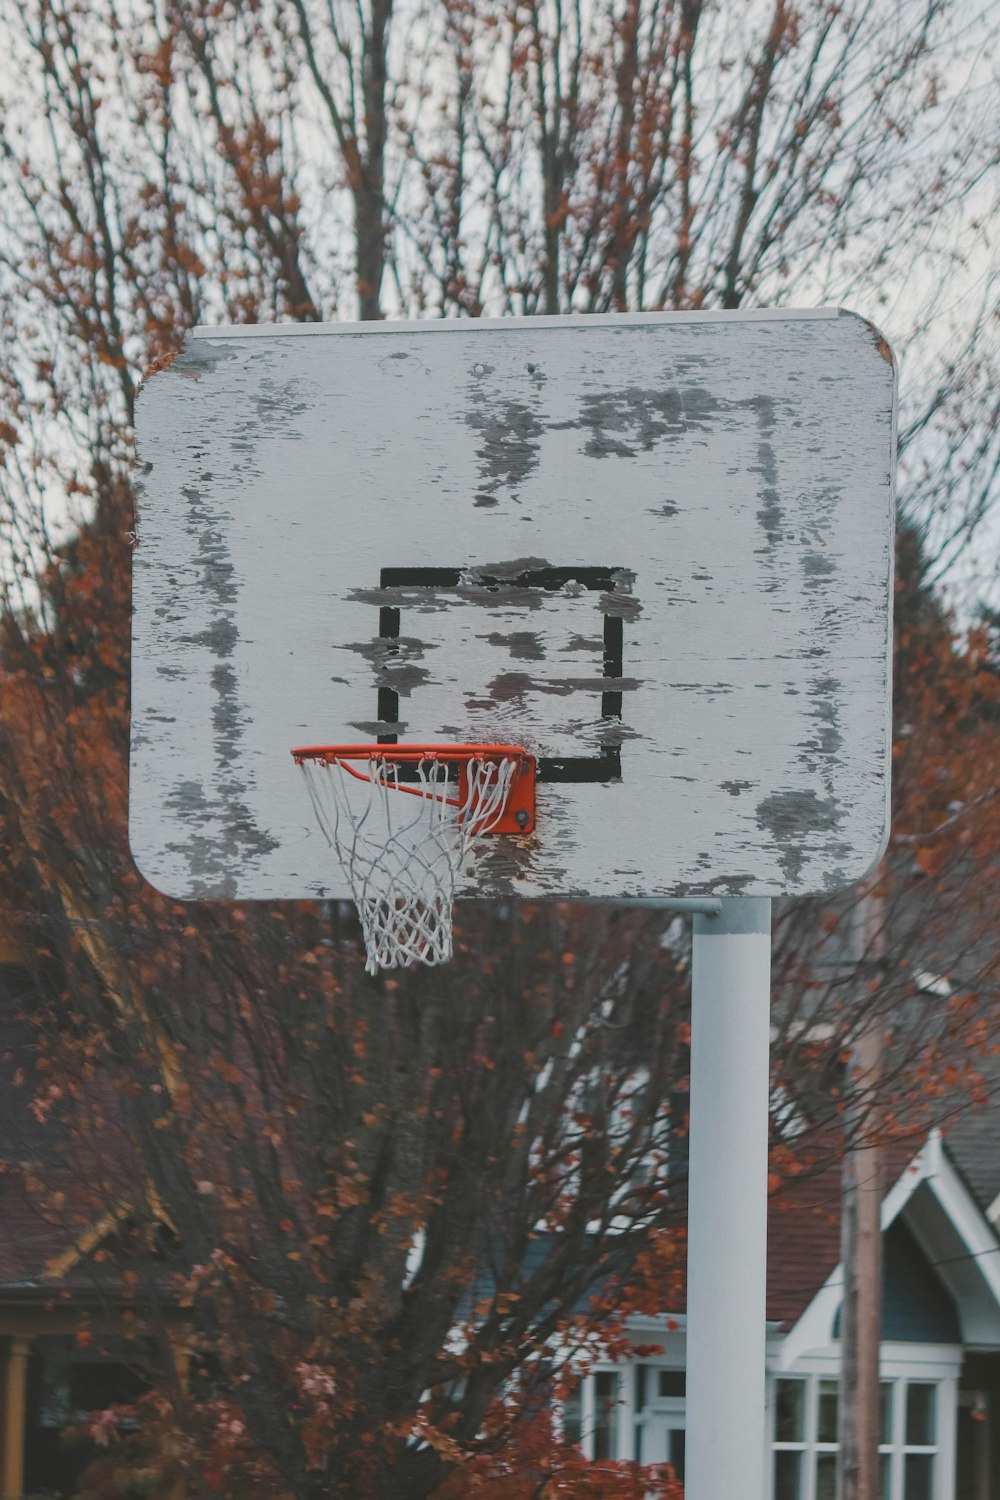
[402, 843]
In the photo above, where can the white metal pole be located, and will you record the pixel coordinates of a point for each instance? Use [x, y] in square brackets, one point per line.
[727, 1201]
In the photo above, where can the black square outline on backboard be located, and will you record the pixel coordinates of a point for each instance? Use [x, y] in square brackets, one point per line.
[605, 766]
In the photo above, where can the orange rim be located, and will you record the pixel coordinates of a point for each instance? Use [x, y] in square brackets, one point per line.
[456, 753]
[518, 817]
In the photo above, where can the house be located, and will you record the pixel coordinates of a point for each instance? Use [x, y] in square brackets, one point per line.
[65, 1344]
[941, 1326]
[940, 1360]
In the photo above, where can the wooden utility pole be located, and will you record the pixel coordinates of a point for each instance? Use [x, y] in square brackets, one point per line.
[14, 1409]
[861, 1239]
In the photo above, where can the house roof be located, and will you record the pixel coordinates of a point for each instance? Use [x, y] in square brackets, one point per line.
[973, 1140]
[943, 1268]
[27, 1242]
[23, 1135]
[804, 1216]
[49, 1237]
[803, 1237]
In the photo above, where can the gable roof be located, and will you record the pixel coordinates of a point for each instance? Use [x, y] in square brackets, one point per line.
[804, 1217]
[803, 1231]
[957, 1244]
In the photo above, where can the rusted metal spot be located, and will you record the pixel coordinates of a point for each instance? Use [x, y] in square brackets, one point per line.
[162, 363]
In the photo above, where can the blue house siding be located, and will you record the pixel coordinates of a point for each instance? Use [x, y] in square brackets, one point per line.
[916, 1308]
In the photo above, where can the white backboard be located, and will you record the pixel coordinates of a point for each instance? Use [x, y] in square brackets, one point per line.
[654, 550]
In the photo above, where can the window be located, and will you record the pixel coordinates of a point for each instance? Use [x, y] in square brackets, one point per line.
[606, 1414]
[659, 1417]
[827, 1438]
[71, 1384]
[641, 1387]
[572, 1414]
[806, 1438]
[908, 1449]
[589, 1415]
[635, 1412]
[790, 1452]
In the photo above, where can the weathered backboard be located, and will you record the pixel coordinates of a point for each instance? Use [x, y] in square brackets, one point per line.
[654, 550]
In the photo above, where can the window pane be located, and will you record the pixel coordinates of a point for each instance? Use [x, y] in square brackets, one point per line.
[640, 1386]
[826, 1476]
[885, 1412]
[789, 1411]
[675, 1452]
[919, 1476]
[827, 1401]
[787, 1476]
[606, 1414]
[920, 1424]
[572, 1414]
[94, 1387]
[672, 1383]
[885, 1473]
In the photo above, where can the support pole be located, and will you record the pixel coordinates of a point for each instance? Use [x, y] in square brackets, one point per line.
[727, 1201]
[861, 1319]
[14, 1410]
[861, 1230]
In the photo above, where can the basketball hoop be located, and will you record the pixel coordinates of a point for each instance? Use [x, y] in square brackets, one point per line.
[402, 819]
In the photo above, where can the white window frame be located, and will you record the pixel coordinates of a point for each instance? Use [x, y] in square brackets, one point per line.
[672, 1408]
[900, 1448]
[901, 1364]
[810, 1446]
[627, 1413]
[588, 1408]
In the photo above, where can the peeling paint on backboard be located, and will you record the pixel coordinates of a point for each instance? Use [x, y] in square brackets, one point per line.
[655, 550]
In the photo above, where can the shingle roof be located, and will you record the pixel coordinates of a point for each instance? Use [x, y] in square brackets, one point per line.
[973, 1140]
[36, 1148]
[27, 1242]
[22, 1134]
[803, 1245]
